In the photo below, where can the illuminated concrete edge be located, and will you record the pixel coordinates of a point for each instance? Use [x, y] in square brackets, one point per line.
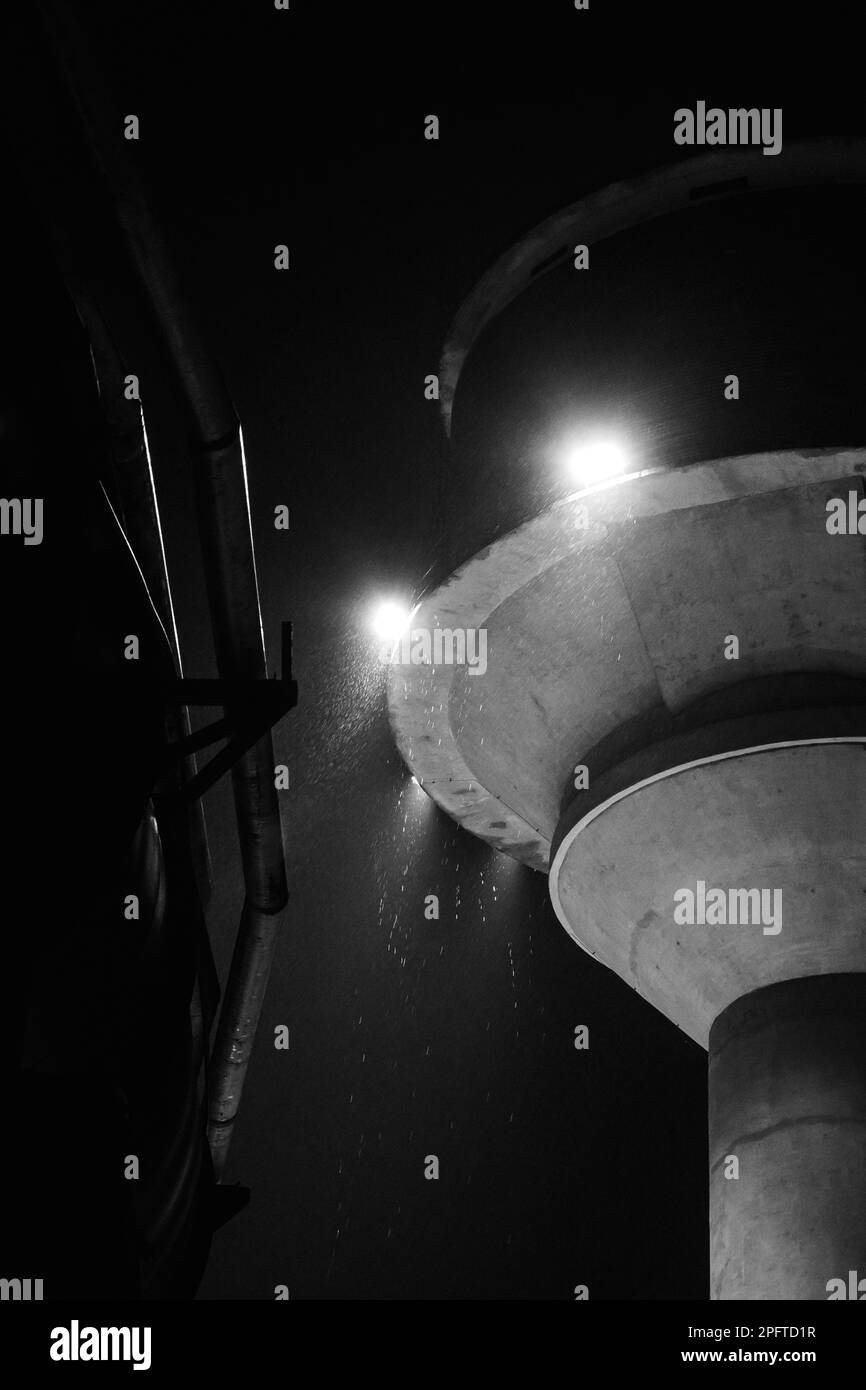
[421, 699]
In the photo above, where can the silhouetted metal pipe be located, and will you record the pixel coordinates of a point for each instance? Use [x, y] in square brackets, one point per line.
[251, 964]
[226, 533]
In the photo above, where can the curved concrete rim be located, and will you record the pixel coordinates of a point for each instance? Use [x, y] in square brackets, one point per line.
[418, 697]
[619, 206]
[605, 805]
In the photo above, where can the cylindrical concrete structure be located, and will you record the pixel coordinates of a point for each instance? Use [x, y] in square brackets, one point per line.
[666, 709]
[787, 1101]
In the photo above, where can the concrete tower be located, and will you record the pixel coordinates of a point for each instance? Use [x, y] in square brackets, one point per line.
[652, 686]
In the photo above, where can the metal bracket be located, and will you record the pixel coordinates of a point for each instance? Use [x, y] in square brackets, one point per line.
[251, 708]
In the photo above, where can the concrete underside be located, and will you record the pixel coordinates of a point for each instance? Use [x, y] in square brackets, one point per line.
[603, 620]
[788, 819]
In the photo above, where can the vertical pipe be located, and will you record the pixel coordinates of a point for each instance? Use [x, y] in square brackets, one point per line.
[222, 502]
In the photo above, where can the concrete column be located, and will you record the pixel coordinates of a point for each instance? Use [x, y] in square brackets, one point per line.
[787, 1099]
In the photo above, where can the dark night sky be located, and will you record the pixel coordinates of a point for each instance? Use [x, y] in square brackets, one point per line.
[408, 1037]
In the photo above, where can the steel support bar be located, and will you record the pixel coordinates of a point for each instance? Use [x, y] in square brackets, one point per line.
[226, 534]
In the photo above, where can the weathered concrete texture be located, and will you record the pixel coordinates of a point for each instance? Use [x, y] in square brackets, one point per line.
[591, 626]
[787, 1098]
[790, 820]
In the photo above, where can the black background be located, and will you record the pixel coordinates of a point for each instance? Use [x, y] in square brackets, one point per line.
[408, 1037]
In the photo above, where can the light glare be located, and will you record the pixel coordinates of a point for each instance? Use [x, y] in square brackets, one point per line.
[390, 621]
[593, 463]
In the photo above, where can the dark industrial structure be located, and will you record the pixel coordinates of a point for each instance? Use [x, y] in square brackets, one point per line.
[129, 1073]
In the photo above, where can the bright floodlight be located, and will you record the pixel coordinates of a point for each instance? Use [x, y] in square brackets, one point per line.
[593, 463]
[390, 621]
